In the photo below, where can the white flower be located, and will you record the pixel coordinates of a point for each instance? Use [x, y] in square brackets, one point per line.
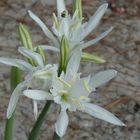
[34, 78]
[72, 92]
[73, 28]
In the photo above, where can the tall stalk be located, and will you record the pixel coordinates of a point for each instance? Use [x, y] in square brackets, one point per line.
[35, 131]
[15, 79]
[56, 137]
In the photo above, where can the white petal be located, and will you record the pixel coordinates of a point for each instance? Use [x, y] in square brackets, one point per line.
[32, 55]
[101, 113]
[38, 94]
[94, 20]
[47, 73]
[35, 109]
[74, 61]
[14, 99]
[61, 123]
[46, 47]
[21, 64]
[60, 7]
[102, 77]
[94, 41]
[45, 29]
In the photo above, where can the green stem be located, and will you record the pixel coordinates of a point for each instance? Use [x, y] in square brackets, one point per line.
[35, 131]
[15, 79]
[56, 137]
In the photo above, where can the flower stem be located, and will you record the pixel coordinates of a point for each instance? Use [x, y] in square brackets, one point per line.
[15, 79]
[56, 137]
[34, 133]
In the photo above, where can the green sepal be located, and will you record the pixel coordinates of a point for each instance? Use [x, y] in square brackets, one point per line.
[64, 54]
[86, 57]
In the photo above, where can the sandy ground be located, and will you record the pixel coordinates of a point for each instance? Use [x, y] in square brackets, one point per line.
[121, 49]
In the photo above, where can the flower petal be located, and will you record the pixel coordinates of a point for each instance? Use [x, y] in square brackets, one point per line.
[94, 41]
[60, 7]
[61, 123]
[94, 20]
[35, 109]
[21, 64]
[38, 94]
[45, 29]
[14, 98]
[74, 61]
[102, 77]
[46, 47]
[101, 113]
[32, 55]
[47, 73]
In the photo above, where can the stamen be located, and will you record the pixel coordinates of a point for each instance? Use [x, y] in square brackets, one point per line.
[84, 98]
[78, 104]
[43, 73]
[64, 82]
[86, 86]
[56, 23]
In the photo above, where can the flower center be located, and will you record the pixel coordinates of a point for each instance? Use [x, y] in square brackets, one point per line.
[64, 96]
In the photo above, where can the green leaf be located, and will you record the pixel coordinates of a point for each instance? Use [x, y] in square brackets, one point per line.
[92, 58]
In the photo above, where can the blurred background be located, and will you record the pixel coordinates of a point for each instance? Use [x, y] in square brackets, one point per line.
[121, 50]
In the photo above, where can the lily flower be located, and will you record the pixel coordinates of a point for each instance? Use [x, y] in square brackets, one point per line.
[33, 78]
[72, 92]
[72, 27]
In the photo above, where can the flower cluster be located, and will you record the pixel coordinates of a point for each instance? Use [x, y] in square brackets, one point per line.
[61, 83]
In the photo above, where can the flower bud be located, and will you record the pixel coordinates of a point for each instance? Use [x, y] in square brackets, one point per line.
[92, 58]
[77, 6]
[64, 54]
[41, 52]
[25, 39]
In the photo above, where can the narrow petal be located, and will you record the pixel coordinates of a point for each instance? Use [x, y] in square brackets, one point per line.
[97, 39]
[65, 26]
[74, 61]
[38, 94]
[94, 20]
[14, 99]
[102, 77]
[47, 73]
[32, 55]
[45, 29]
[60, 7]
[101, 113]
[21, 64]
[46, 48]
[61, 123]
[35, 109]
